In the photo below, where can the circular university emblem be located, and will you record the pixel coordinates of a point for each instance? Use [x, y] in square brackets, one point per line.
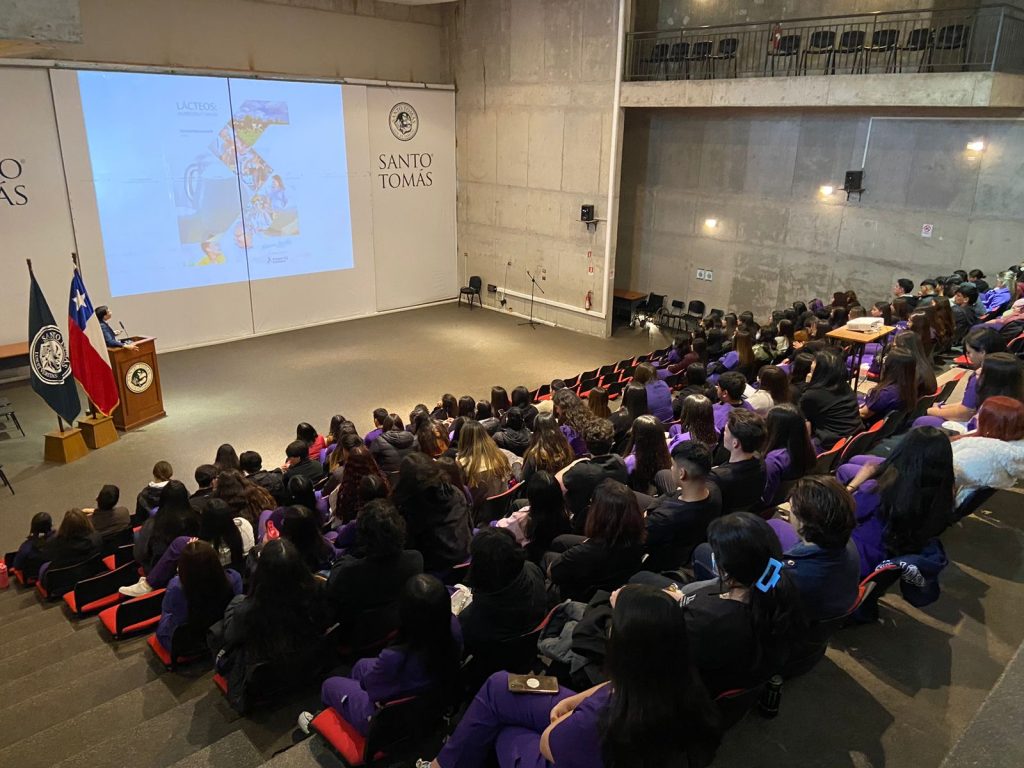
[48, 356]
[404, 121]
[139, 378]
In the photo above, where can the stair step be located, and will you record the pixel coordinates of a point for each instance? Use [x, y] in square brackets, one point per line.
[54, 676]
[14, 625]
[311, 753]
[33, 635]
[119, 719]
[46, 652]
[18, 598]
[234, 750]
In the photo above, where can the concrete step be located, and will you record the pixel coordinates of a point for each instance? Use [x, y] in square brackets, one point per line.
[233, 750]
[28, 619]
[119, 717]
[16, 598]
[310, 753]
[17, 659]
[33, 635]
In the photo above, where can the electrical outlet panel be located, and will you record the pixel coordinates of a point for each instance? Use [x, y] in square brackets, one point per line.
[701, 273]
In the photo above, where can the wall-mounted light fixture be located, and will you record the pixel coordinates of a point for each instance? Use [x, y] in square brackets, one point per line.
[976, 146]
[826, 189]
[710, 223]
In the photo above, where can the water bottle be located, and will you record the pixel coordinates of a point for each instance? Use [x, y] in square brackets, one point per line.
[771, 698]
[272, 532]
[5, 579]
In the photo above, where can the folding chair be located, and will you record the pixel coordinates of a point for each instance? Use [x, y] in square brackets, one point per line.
[56, 582]
[139, 614]
[500, 505]
[5, 481]
[100, 591]
[872, 587]
[827, 461]
[7, 412]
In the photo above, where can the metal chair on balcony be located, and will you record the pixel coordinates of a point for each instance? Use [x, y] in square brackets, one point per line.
[787, 47]
[851, 42]
[655, 65]
[698, 63]
[821, 43]
[952, 37]
[917, 42]
[882, 41]
[727, 50]
[676, 66]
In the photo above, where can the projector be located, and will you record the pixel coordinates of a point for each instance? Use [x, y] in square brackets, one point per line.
[865, 324]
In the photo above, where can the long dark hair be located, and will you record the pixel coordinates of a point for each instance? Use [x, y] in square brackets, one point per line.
[698, 418]
[655, 688]
[206, 586]
[217, 526]
[900, 370]
[634, 400]
[549, 449]
[615, 517]
[884, 310]
[910, 341]
[301, 526]
[775, 382]
[829, 372]
[1001, 374]
[647, 442]
[284, 603]
[800, 368]
[174, 516]
[916, 490]
[547, 517]
[787, 430]
[360, 463]
[744, 346]
[425, 613]
[743, 545]
[226, 458]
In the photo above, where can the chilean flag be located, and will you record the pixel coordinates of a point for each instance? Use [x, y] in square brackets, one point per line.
[88, 366]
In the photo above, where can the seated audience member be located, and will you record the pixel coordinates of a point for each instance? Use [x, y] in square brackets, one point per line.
[204, 475]
[697, 422]
[911, 342]
[828, 403]
[905, 501]
[197, 596]
[336, 463]
[774, 389]
[431, 435]
[633, 720]
[488, 468]
[820, 556]
[392, 445]
[544, 517]
[307, 433]
[965, 310]
[926, 294]
[467, 407]
[29, 556]
[513, 436]
[226, 459]
[731, 386]
[500, 402]
[573, 416]
[611, 552]
[486, 416]
[74, 543]
[741, 480]
[679, 521]
[508, 592]
[379, 414]
[149, 496]
[597, 403]
[548, 451]
[584, 475]
[978, 344]
[659, 395]
[301, 526]
[299, 463]
[436, 513]
[647, 455]
[251, 464]
[999, 297]
[107, 517]
[904, 290]
[246, 499]
[521, 399]
[788, 452]
[632, 407]
[799, 371]
[218, 527]
[741, 359]
[364, 586]
[992, 456]
[360, 463]
[1001, 374]
[447, 409]
[336, 429]
[423, 658]
[279, 622]
[175, 517]
[944, 324]
[896, 389]
[695, 383]
[1010, 324]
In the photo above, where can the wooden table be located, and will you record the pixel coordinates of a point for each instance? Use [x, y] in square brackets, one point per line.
[859, 340]
[627, 302]
[18, 349]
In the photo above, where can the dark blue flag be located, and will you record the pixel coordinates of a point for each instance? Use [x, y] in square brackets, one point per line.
[48, 358]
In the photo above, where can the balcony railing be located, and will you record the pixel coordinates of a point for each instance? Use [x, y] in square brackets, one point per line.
[986, 38]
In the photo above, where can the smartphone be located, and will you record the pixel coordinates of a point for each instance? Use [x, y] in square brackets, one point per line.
[532, 684]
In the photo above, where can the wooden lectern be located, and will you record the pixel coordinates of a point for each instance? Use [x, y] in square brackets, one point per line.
[138, 383]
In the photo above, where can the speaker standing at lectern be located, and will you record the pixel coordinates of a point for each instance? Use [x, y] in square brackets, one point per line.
[103, 313]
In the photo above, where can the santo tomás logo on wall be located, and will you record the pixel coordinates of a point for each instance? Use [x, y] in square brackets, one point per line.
[404, 121]
[139, 378]
[13, 191]
[48, 356]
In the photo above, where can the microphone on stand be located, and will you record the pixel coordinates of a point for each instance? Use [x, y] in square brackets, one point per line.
[123, 329]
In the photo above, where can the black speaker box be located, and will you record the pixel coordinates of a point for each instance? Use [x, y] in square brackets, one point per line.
[587, 213]
[854, 181]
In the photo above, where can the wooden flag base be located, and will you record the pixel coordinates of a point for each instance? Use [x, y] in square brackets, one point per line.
[65, 446]
[98, 430]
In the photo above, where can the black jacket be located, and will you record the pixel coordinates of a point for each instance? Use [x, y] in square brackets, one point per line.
[514, 440]
[310, 468]
[61, 553]
[741, 484]
[512, 611]
[675, 527]
[592, 565]
[272, 483]
[438, 526]
[581, 480]
[363, 592]
[389, 448]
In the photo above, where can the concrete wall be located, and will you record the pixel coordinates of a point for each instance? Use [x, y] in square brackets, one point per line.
[778, 238]
[535, 89]
[320, 38]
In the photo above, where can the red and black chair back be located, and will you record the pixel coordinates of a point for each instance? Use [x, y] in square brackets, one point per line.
[100, 591]
[872, 587]
[57, 582]
[140, 614]
[499, 506]
[827, 461]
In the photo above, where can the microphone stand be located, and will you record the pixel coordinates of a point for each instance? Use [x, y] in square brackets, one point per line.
[533, 285]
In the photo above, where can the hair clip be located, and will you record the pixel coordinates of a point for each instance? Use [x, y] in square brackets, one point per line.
[770, 577]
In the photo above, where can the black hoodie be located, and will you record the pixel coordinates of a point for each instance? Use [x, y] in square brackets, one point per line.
[437, 522]
[389, 448]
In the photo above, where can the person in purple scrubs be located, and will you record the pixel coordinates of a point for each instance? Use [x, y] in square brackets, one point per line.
[425, 657]
[897, 388]
[634, 719]
[788, 453]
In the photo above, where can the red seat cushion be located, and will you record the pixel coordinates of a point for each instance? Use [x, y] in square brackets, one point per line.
[161, 653]
[41, 589]
[341, 735]
[69, 598]
[221, 682]
[110, 562]
[103, 602]
[140, 625]
[108, 619]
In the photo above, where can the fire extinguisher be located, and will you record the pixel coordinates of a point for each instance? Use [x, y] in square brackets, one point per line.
[589, 301]
[776, 36]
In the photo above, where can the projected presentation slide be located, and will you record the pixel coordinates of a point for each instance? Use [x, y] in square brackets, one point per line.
[203, 181]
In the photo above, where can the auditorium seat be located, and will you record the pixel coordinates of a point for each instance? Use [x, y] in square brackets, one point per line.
[132, 616]
[56, 582]
[100, 591]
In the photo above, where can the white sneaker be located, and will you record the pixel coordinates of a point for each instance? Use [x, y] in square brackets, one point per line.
[305, 718]
[138, 589]
[423, 763]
